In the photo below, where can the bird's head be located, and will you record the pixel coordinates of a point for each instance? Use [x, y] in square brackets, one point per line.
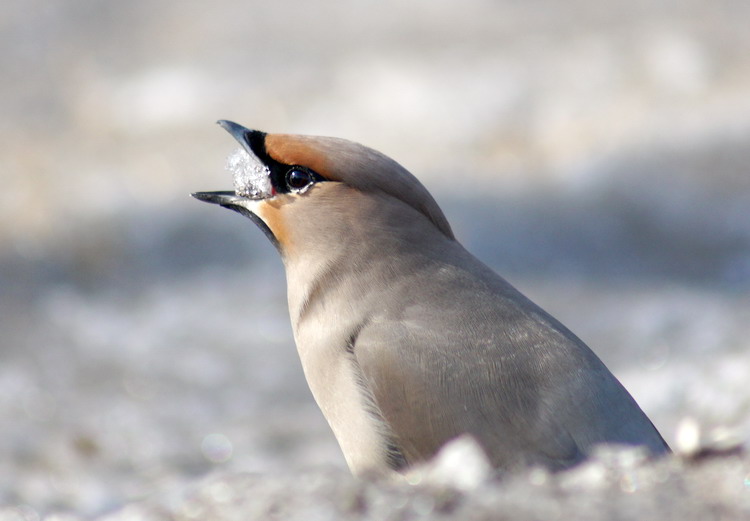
[296, 187]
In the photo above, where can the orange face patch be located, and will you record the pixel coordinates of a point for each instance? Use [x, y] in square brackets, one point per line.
[272, 213]
[298, 150]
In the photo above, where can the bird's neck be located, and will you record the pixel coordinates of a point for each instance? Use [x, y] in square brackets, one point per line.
[345, 283]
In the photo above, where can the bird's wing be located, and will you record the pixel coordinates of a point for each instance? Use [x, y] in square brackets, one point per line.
[524, 388]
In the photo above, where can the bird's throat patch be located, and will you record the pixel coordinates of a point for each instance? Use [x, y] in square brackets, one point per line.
[271, 213]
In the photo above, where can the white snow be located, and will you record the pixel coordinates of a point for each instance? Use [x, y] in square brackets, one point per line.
[251, 177]
[461, 464]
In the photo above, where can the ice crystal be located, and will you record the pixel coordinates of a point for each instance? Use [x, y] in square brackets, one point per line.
[251, 177]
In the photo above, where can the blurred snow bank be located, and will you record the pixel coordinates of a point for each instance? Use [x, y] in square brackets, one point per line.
[617, 483]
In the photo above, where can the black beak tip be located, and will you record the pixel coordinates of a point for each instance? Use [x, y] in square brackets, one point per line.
[237, 131]
[215, 197]
[201, 196]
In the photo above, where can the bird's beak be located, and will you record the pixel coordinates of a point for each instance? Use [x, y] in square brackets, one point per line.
[224, 198]
[238, 132]
[229, 199]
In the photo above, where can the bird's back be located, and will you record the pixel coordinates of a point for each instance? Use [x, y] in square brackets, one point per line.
[456, 349]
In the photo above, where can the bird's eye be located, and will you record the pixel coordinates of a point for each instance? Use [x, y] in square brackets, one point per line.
[298, 179]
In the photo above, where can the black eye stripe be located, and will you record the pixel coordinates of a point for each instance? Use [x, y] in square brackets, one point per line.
[279, 171]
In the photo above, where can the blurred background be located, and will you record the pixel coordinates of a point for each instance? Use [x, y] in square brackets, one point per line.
[596, 154]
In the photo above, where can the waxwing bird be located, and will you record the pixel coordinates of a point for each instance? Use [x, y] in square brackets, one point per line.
[405, 338]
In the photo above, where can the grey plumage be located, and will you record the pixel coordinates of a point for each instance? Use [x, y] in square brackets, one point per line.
[406, 339]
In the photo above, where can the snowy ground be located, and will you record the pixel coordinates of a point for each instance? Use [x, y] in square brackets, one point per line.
[596, 154]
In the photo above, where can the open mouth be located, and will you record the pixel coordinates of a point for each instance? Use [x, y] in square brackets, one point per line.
[251, 177]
